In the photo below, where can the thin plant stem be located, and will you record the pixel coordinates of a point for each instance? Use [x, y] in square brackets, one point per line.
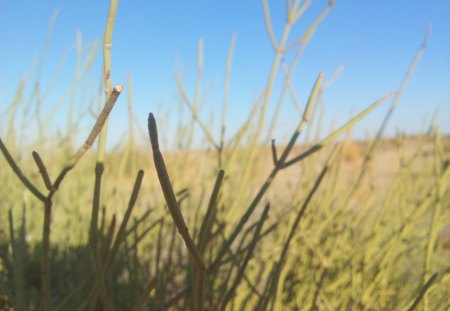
[208, 219]
[45, 263]
[330, 138]
[17, 253]
[100, 122]
[302, 43]
[404, 83]
[16, 169]
[226, 91]
[107, 44]
[433, 229]
[249, 255]
[268, 181]
[273, 284]
[93, 239]
[176, 214]
[195, 114]
[423, 290]
[111, 255]
[42, 170]
[143, 298]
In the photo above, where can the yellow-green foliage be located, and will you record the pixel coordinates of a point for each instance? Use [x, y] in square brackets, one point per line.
[239, 225]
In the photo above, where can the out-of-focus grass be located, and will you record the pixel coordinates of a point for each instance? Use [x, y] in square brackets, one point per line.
[315, 226]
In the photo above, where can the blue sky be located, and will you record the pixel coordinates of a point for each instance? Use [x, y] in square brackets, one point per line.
[374, 40]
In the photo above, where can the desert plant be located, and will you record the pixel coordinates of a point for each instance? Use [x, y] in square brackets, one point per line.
[262, 227]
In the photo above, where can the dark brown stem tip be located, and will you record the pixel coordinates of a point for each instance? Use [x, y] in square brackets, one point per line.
[140, 175]
[153, 132]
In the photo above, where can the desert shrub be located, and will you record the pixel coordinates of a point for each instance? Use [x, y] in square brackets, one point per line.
[240, 224]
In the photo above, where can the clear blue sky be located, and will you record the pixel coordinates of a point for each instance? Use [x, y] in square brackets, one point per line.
[374, 40]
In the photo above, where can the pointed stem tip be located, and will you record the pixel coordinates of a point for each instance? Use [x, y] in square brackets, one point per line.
[153, 132]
